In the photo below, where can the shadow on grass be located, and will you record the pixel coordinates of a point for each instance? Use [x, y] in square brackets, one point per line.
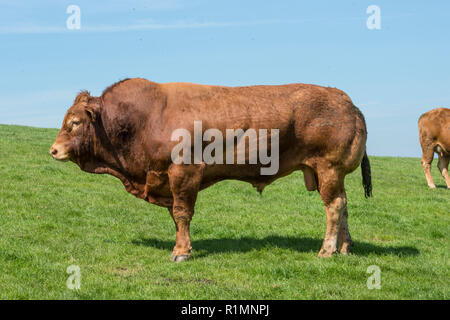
[300, 244]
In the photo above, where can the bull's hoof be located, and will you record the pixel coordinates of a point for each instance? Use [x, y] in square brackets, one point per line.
[346, 248]
[432, 186]
[180, 258]
[325, 253]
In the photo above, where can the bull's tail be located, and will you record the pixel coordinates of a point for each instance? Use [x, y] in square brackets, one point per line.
[366, 176]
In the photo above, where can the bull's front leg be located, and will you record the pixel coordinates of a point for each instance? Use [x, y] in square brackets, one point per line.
[185, 181]
[182, 219]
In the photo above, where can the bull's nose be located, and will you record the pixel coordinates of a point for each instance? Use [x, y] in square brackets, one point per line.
[53, 151]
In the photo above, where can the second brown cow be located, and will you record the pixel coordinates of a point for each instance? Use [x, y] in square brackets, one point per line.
[434, 135]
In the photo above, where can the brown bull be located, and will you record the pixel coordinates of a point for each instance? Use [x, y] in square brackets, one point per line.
[127, 133]
[434, 135]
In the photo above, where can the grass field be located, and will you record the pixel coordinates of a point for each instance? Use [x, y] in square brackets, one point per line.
[246, 246]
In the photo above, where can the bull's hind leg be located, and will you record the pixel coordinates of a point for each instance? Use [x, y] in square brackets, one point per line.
[443, 168]
[332, 192]
[427, 159]
[184, 183]
[345, 242]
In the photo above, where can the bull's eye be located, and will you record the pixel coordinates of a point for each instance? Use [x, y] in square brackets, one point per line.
[73, 124]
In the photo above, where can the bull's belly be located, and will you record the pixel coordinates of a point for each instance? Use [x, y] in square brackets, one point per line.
[288, 162]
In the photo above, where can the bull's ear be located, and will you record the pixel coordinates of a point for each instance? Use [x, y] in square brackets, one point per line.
[93, 111]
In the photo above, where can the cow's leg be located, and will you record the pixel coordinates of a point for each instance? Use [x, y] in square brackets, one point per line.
[182, 249]
[345, 242]
[184, 183]
[427, 159]
[443, 168]
[331, 186]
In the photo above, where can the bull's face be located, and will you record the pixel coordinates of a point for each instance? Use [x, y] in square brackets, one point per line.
[74, 137]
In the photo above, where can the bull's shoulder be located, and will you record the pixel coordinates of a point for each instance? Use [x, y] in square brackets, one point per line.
[129, 86]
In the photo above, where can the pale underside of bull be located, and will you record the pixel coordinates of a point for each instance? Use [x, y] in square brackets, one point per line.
[127, 133]
[434, 136]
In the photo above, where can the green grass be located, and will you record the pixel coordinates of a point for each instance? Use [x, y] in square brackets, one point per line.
[246, 246]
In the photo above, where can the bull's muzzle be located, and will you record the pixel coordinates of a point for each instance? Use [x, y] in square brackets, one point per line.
[58, 153]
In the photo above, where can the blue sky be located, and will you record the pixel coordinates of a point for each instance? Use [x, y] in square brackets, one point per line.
[393, 75]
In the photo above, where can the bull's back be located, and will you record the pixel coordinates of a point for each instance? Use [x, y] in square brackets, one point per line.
[257, 107]
[232, 107]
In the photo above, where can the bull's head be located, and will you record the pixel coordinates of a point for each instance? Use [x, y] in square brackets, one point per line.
[75, 137]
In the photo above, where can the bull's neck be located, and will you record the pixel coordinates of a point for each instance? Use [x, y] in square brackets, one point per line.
[106, 158]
